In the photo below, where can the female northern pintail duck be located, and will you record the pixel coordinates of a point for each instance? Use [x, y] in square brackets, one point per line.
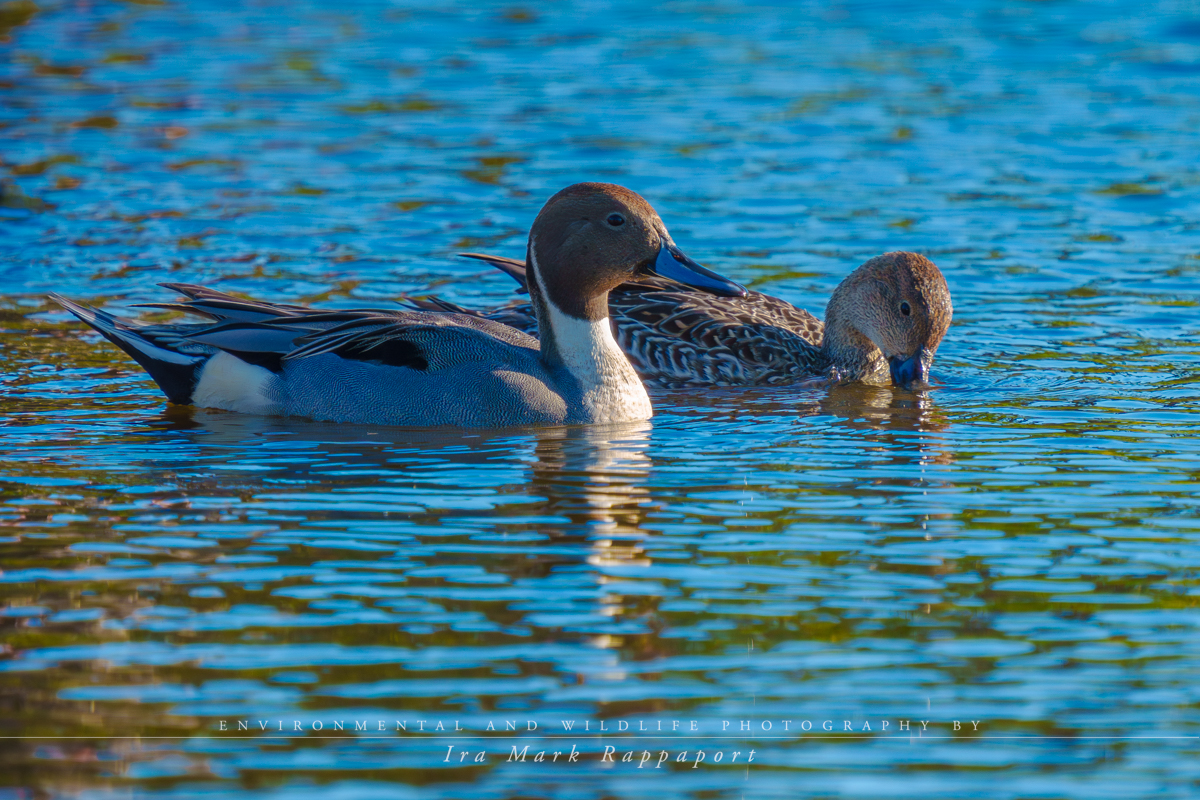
[883, 325]
[422, 368]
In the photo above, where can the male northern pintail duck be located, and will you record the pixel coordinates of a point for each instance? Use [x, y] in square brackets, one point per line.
[883, 324]
[421, 368]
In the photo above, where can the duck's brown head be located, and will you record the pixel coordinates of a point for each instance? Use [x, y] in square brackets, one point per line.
[591, 237]
[887, 318]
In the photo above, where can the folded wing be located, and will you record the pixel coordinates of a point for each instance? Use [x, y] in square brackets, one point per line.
[276, 336]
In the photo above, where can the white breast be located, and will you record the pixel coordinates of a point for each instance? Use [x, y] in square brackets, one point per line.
[612, 390]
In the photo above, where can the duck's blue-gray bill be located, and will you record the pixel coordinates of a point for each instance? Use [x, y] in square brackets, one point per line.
[906, 371]
[673, 264]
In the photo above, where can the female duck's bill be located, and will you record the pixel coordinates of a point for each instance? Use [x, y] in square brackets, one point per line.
[911, 371]
[419, 368]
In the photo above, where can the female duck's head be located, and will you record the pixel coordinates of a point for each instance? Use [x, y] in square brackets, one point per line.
[887, 318]
[592, 237]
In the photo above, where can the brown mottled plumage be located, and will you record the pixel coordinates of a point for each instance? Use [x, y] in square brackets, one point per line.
[676, 337]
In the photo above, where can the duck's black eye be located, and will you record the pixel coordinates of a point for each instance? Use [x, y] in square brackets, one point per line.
[615, 220]
[905, 309]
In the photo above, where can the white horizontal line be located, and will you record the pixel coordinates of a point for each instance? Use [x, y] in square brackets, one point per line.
[349, 735]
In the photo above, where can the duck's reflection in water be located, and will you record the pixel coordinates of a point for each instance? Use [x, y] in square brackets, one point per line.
[903, 449]
[592, 481]
[885, 446]
[585, 490]
[883, 407]
[889, 418]
[596, 477]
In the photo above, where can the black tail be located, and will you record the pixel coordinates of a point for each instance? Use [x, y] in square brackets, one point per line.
[173, 370]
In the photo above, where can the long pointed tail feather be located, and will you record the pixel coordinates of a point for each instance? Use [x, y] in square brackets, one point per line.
[432, 303]
[511, 267]
[222, 307]
[175, 372]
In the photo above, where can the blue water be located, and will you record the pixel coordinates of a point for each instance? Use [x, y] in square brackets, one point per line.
[1017, 548]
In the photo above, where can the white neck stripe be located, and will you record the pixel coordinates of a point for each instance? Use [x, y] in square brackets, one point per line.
[612, 391]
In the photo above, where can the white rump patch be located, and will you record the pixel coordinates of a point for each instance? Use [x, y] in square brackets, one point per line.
[228, 382]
